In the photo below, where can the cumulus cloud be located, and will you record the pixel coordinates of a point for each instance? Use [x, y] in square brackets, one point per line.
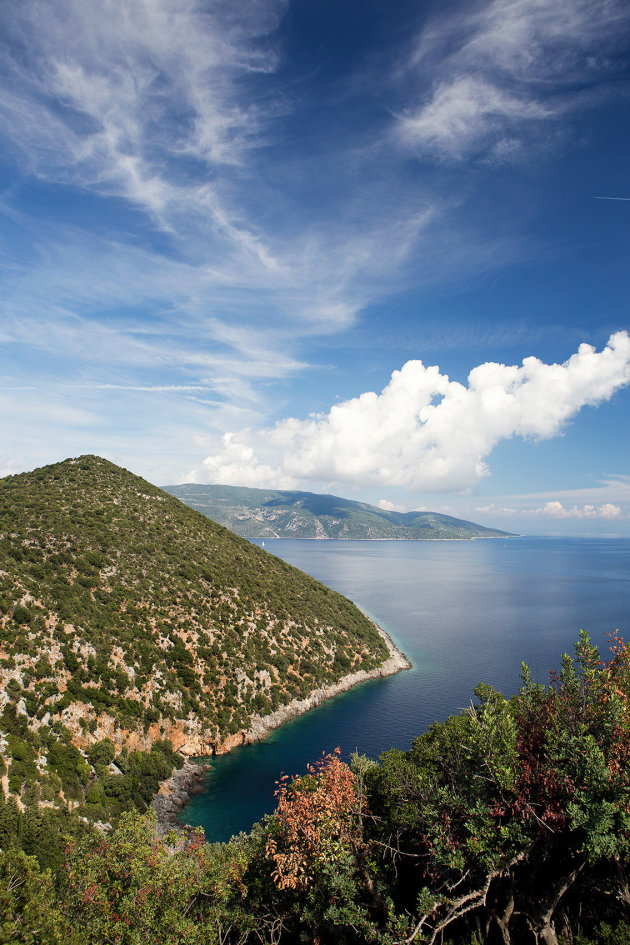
[237, 464]
[424, 431]
[388, 506]
[555, 509]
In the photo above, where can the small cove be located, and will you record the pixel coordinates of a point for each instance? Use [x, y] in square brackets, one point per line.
[462, 611]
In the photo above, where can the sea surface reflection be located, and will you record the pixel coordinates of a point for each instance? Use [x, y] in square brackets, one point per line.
[463, 612]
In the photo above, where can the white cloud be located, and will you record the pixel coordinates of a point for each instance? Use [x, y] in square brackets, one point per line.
[388, 506]
[424, 431]
[136, 77]
[493, 509]
[464, 114]
[555, 509]
[133, 99]
[543, 40]
[237, 464]
[153, 388]
[153, 102]
[496, 71]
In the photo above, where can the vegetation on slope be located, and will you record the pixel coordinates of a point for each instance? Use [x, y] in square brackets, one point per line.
[128, 620]
[508, 824]
[269, 513]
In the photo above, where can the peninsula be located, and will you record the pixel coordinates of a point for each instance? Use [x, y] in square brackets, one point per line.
[273, 513]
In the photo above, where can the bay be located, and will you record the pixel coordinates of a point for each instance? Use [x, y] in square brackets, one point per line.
[463, 611]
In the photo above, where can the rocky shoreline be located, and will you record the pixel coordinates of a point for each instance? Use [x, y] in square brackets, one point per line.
[262, 725]
[175, 793]
[186, 781]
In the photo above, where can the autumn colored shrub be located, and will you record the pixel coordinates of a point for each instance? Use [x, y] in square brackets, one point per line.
[315, 843]
[317, 822]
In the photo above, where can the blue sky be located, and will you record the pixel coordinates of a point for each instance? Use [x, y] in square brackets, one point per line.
[353, 247]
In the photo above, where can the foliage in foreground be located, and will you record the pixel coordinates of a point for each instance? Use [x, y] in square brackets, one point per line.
[508, 824]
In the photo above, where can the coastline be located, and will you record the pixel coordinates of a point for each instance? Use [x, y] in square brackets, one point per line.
[328, 538]
[174, 793]
[262, 725]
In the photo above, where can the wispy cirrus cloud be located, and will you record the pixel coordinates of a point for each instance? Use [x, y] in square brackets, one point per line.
[156, 111]
[136, 81]
[142, 101]
[468, 114]
[153, 103]
[488, 82]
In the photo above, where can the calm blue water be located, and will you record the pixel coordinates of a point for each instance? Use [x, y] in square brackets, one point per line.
[463, 611]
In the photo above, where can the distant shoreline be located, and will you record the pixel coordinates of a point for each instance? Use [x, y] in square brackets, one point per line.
[310, 515]
[328, 538]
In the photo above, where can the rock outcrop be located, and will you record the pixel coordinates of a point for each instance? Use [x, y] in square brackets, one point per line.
[175, 793]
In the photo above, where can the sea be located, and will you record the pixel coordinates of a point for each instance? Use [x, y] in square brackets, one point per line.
[464, 612]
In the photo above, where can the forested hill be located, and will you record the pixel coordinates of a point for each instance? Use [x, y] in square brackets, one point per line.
[270, 513]
[128, 618]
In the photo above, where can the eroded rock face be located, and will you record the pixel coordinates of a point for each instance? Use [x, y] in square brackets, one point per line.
[176, 792]
[190, 744]
[192, 740]
[187, 738]
[233, 741]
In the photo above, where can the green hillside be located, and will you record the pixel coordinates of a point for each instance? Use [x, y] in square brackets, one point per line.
[269, 513]
[128, 620]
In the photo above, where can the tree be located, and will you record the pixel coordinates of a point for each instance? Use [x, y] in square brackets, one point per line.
[315, 822]
[132, 888]
[499, 819]
[315, 843]
[28, 912]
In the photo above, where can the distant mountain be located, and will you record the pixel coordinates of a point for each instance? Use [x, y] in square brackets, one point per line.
[129, 621]
[269, 513]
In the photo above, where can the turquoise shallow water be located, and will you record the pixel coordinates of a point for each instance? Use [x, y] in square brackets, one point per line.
[463, 611]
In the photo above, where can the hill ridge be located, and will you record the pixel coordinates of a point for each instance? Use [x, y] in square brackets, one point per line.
[128, 618]
[278, 513]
